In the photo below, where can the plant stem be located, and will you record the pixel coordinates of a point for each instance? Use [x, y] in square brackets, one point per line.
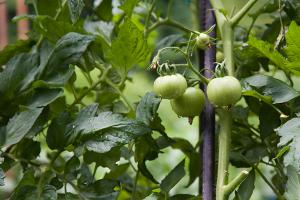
[189, 62]
[235, 182]
[228, 47]
[115, 86]
[280, 197]
[224, 150]
[135, 185]
[238, 16]
[169, 22]
[101, 79]
[146, 31]
[218, 5]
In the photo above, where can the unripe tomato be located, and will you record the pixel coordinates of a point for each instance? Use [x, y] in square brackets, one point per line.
[219, 57]
[202, 40]
[190, 104]
[170, 86]
[224, 91]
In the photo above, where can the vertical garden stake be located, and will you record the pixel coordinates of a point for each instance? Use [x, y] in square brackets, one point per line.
[207, 124]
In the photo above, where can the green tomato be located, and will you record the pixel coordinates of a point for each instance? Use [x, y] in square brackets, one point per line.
[219, 57]
[224, 91]
[202, 40]
[170, 86]
[190, 104]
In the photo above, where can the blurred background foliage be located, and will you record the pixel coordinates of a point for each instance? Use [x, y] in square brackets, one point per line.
[142, 80]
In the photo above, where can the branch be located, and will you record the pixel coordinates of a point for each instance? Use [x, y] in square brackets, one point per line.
[101, 79]
[229, 188]
[189, 64]
[238, 16]
[170, 22]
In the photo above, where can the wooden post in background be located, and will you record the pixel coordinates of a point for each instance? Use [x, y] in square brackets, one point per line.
[207, 123]
[22, 25]
[3, 24]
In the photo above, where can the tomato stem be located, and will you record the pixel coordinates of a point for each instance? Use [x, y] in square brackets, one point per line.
[189, 62]
[224, 150]
[239, 15]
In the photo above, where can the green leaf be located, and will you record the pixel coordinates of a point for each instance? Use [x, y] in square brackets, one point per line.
[267, 50]
[2, 177]
[147, 108]
[100, 28]
[168, 41]
[72, 168]
[44, 97]
[20, 124]
[111, 120]
[293, 47]
[2, 137]
[185, 197]
[101, 190]
[128, 6]
[246, 188]
[109, 139]
[13, 49]
[75, 9]
[27, 149]
[128, 49]
[117, 171]
[269, 119]
[17, 76]
[173, 177]
[107, 159]
[47, 7]
[194, 163]
[293, 42]
[252, 93]
[291, 8]
[86, 177]
[29, 192]
[61, 132]
[293, 184]
[87, 112]
[145, 149]
[52, 29]
[290, 135]
[68, 50]
[268, 7]
[269, 86]
[68, 196]
[104, 10]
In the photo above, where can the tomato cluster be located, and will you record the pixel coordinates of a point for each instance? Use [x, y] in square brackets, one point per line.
[189, 101]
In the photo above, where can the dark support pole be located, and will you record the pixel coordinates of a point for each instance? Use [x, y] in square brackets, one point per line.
[207, 124]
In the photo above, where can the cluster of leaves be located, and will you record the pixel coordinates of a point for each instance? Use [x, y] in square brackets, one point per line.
[45, 111]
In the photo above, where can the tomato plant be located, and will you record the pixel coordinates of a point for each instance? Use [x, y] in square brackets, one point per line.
[79, 119]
